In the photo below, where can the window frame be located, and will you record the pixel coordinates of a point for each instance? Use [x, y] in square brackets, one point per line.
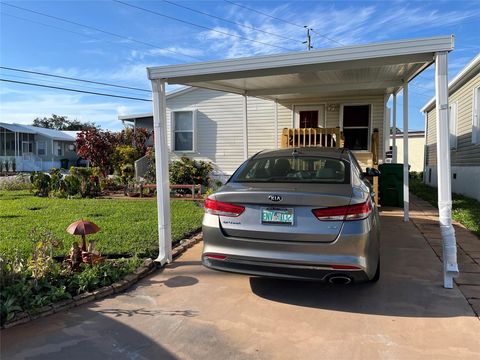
[320, 107]
[476, 115]
[45, 148]
[193, 131]
[453, 126]
[340, 122]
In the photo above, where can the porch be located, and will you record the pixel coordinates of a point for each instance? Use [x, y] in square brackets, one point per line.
[378, 71]
[28, 148]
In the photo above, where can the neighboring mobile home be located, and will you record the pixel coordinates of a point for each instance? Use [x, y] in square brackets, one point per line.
[416, 149]
[464, 100]
[35, 149]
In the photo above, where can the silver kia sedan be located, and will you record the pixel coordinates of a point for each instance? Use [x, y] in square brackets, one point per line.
[301, 213]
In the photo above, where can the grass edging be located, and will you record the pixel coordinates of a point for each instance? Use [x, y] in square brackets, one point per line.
[148, 267]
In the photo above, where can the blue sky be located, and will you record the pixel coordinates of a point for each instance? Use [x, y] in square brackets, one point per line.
[40, 43]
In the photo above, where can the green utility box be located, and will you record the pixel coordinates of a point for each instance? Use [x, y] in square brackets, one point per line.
[64, 163]
[390, 184]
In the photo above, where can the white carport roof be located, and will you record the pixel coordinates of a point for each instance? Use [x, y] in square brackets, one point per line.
[383, 68]
[366, 69]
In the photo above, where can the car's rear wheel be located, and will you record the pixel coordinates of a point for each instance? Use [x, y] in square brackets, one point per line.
[376, 277]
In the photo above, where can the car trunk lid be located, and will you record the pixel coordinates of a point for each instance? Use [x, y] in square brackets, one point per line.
[266, 202]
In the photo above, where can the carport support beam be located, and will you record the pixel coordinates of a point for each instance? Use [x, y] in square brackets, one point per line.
[406, 197]
[245, 127]
[394, 129]
[161, 170]
[450, 266]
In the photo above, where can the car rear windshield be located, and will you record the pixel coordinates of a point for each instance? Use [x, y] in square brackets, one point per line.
[306, 169]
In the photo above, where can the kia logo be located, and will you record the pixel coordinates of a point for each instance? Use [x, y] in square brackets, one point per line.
[275, 198]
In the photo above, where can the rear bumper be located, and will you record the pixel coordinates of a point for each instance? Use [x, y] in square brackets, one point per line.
[356, 245]
[281, 270]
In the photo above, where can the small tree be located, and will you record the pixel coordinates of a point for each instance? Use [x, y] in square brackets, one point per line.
[60, 122]
[98, 147]
[137, 138]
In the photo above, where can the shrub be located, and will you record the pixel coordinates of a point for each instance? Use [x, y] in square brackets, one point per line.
[188, 171]
[89, 180]
[96, 146]
[72, 185]
[40, 183]
[18, 182]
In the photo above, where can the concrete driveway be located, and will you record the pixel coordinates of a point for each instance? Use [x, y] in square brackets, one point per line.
[189, 312]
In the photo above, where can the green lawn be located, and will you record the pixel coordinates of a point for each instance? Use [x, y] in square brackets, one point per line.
[128, 226]
[465, 210]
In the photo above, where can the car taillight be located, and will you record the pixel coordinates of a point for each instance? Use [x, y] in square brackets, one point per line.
[220, 208]
[344, 213]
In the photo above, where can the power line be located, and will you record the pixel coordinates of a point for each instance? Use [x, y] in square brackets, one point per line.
[231, 21]
[283, 20]
[64, 83]
[73, 90]
[72, 78]
[67, 30]
[103, 31]
[200, 26]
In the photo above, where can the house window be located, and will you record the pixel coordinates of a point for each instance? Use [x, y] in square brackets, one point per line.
[308, 119]
[476, 116]
[356, 126]
[453, 125]
[183, 130]
[41, 148]
[58, 148]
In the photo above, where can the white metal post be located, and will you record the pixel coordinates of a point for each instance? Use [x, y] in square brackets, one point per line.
[245, 127]
[276, 123]
[450, 266]
[161, 169]
[394, 129]
[386, 128]
[406, 197]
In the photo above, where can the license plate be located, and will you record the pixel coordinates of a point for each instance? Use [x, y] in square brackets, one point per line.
[277, 216]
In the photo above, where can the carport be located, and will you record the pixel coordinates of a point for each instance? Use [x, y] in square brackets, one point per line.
[383, 68]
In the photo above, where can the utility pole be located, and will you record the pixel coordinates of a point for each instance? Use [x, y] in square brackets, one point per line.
[309, 39]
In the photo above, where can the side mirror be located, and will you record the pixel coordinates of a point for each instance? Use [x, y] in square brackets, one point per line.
[372, 172]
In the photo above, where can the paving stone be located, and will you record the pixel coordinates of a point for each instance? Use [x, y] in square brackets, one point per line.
[131, 279]
[103, 292]
[16, 322]
[141, 271]
[63, 305]
[120, 286]
[470, 291]
[475, 303]
[148, 263]
[471, 267]
[466, 278]
[83, 298]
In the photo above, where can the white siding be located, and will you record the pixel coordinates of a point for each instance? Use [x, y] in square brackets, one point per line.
[220, 116]
[466, 153]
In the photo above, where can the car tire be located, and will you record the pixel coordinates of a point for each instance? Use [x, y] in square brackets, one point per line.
[376, 277]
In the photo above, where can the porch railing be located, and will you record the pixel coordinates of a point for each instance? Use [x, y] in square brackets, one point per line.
[312, 137]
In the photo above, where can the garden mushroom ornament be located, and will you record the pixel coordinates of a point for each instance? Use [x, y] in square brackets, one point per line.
[83, 227]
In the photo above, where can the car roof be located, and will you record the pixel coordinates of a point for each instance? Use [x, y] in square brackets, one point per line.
[336, 153]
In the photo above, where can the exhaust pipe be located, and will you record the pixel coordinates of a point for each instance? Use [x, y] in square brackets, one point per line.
[339, 279]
